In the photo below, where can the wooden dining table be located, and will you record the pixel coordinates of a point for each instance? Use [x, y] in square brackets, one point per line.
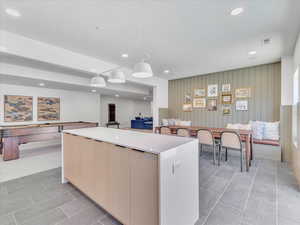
[246, 136]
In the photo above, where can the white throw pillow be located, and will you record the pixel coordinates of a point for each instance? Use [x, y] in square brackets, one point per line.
[233, 126]
[177, 122]
[185, 123]
[271, 131]
[245, 127]
[165, 122]
[257, 129]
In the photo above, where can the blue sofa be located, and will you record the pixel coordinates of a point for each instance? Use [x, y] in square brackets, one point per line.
[145, 123]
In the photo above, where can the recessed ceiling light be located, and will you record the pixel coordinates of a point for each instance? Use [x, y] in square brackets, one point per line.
[93, 90]
[166, 71]
[42, 84]
[237, 11]
[13, 12]
[125, 55]
[117, 96]
[252, 53]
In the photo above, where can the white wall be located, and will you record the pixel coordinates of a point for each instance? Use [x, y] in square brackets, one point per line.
[75, 106]
[287, 73]
[25, 47]
[126, 109]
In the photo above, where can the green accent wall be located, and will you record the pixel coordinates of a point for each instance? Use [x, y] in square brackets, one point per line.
[264, 103]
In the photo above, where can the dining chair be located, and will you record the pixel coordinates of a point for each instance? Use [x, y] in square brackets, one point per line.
[206, 138]
[231, 140]
[182, 132]
[165, 130]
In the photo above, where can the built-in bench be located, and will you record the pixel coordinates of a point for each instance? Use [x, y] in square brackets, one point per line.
[267, 149]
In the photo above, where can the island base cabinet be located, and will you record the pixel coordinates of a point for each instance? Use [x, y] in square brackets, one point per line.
[123, 181]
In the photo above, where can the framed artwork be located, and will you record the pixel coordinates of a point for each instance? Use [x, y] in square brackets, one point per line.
[17, 108]
[241, 105]
[212, 90]
[243, 93]
[199, 103]
[48, 108]
[226, 87]
[188, 99]
[226, 109]
[201, 92]
[226, 99]
[187, 107]
[212, 104]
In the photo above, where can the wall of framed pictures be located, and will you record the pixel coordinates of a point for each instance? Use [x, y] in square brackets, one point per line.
[235, 96]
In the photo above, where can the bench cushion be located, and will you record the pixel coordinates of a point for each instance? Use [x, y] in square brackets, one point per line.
[266, 142]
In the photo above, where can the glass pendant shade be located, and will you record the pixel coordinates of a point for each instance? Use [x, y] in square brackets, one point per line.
[116, 76]
[142, 70]
[98, 82]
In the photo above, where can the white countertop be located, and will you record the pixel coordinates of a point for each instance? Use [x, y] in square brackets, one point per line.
[148, 142]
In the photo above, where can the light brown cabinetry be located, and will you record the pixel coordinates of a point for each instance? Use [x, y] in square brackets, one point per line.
[121, 180]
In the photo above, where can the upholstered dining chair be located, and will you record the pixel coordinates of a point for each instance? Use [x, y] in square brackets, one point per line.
[231, 140]
[182, 132]
[206, 138]
[165, 130]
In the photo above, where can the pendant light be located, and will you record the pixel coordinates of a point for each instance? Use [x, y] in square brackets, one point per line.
[117, 76]
[98, 81]
[142, 70]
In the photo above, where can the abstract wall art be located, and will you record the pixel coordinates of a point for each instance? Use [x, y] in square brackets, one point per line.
[48, 108]
[17, 108]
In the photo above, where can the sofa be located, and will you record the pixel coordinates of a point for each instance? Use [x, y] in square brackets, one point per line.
[142, 123]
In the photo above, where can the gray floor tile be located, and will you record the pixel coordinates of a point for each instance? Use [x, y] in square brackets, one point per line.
[41, 199]
[236, 195]
[73, 207]
[285, 221]
[207, 199]
[87, 216]
[260, 212]
[224, 215]
[43, 207]
[10, 203]
[7, 220]
[49, 218]
[108, 220]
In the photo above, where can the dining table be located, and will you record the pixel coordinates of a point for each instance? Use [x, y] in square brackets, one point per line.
[245, 135]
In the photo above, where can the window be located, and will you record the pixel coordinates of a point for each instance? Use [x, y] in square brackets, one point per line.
[295, 107]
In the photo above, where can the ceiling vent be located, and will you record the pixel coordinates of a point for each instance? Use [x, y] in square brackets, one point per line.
[267, 41]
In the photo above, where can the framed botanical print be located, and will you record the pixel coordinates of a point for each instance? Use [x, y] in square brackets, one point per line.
[212, 104]
[226, 88]
[226, 99]
[212, 90]
[226, 109]
[187, 99]
[198, 93]
[241, 105]
[199, 103]
[187, 107]
[243, 93]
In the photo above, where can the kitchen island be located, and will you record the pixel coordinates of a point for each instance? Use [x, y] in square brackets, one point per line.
[139, 178]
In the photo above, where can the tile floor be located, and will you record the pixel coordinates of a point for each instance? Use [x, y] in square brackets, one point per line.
[267, 195]
[31, 161]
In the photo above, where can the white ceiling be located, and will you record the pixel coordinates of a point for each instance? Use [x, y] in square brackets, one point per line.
[188, 37]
